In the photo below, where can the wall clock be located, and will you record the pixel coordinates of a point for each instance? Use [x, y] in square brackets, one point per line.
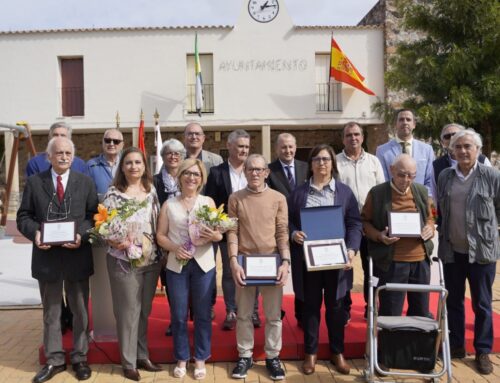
[263, 11]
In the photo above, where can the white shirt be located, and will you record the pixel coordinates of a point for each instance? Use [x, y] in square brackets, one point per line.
[409, 145]
[238, 180]
[460, 175]
[64, 178]
[360, 175]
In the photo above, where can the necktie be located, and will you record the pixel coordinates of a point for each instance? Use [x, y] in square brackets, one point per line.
[289, 175]
[60, 189]
[403, 146]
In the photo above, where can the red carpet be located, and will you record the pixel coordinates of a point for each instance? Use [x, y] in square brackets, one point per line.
[224, 342]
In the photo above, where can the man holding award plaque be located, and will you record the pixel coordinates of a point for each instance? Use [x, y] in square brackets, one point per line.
[259, 255]
[399, 225]
[56, 212]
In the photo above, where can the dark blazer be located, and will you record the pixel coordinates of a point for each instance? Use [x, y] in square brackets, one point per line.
[278, 181]
[219, 184]
[81, 203]
[353, 232]
[160, 188]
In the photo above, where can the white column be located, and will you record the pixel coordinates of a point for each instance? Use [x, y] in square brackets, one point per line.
[14, 191]
[266, 142]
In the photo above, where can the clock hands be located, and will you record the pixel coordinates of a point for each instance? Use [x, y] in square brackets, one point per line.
[266, 5]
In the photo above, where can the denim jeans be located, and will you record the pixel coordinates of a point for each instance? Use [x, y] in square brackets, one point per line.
[201, 284]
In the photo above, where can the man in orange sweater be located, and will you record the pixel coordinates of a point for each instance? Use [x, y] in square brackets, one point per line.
[395, 259]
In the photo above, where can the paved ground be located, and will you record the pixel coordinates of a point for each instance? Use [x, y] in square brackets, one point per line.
[21, 334]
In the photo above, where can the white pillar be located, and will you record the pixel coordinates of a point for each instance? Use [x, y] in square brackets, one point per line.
[266, 142]
[14, 191]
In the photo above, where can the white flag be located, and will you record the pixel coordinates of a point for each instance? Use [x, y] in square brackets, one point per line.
[158, 144]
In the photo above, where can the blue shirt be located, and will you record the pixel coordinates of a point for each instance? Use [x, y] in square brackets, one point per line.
[40, 163]
[102, 173]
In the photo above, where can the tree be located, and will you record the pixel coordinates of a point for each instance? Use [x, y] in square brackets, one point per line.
[452, 74]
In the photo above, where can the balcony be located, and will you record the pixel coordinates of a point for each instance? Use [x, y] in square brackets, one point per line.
[329, 97]
[208, 97]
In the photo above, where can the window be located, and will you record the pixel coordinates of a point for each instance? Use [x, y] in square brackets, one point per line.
[72, 94]
[328, 93]
[207, 75]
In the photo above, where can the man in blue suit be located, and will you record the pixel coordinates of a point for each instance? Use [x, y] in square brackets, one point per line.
[404, 142]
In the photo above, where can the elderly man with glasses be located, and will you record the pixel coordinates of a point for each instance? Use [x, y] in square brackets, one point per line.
[448, 159]
[61, 195]
[399, 259]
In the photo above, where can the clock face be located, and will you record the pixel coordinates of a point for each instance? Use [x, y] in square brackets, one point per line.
[263, 11]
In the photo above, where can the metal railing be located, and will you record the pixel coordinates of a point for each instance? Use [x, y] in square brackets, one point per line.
[329, 97]
[73, 103]
[208, 98]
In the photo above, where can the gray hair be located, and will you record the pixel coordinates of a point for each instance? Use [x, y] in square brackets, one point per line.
[173, 145]
[52, 141]
[112, 130]
[460, 127]
[238, 133]
[60, 124]
[255, 156]
[284, 136]
[403, 157]
[467, 132]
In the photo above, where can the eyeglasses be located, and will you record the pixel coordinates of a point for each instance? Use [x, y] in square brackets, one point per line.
[194, 134]
[447, 136]
[173, 154]
[406, 175]
[258, 171]
[113, 141]
[321, 159]
[188, 174]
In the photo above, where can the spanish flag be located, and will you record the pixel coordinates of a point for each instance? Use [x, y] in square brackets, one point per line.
[343, 70]
[140, 139]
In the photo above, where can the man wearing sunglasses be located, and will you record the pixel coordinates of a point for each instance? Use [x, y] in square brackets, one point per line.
[102, 168]
[447, 159]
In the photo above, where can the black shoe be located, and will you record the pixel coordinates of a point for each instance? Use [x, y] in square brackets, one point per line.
[283, 314]
[47, 372]
[256, 320]
[230, 321]
[82, 370]
[131, 374]
[457, 353]
[146, 364]
[168, 331]
[276, 372]
[242, 366]
[483, 364]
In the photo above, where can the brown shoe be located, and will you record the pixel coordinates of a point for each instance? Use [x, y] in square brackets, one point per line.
[340, 364]
[483, 364]
[146, 364]
[309, 365]
[132, 374]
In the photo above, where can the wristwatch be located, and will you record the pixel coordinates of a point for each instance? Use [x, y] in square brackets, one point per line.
[286, 260]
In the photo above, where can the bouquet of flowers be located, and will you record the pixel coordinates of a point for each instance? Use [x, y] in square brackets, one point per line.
[125, 222]
[214, 218]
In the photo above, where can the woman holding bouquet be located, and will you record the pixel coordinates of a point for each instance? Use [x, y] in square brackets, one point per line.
[190, 266]
[133, 260]
[323, 189]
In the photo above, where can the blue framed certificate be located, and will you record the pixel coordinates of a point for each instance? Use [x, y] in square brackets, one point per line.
[260, 269]
[324, 247]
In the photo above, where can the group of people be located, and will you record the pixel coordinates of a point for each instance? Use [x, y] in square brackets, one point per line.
[267, 200]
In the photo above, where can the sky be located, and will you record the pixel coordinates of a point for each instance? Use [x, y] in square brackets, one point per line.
[18, 15]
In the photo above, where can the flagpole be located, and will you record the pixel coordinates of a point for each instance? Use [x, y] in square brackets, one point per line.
[329, 74]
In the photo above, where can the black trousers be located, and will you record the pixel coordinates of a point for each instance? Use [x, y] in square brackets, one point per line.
[319, 284]
[391, 302]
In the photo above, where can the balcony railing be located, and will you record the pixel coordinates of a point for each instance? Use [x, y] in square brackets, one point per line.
[329, 97]
[72, 101]
[208, 97]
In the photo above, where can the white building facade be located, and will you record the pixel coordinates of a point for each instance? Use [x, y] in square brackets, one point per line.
[264, 77]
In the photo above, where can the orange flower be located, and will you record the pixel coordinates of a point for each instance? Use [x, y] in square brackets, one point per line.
[101, 216]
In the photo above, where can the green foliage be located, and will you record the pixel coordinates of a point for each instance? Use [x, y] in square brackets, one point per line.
[453, 72]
